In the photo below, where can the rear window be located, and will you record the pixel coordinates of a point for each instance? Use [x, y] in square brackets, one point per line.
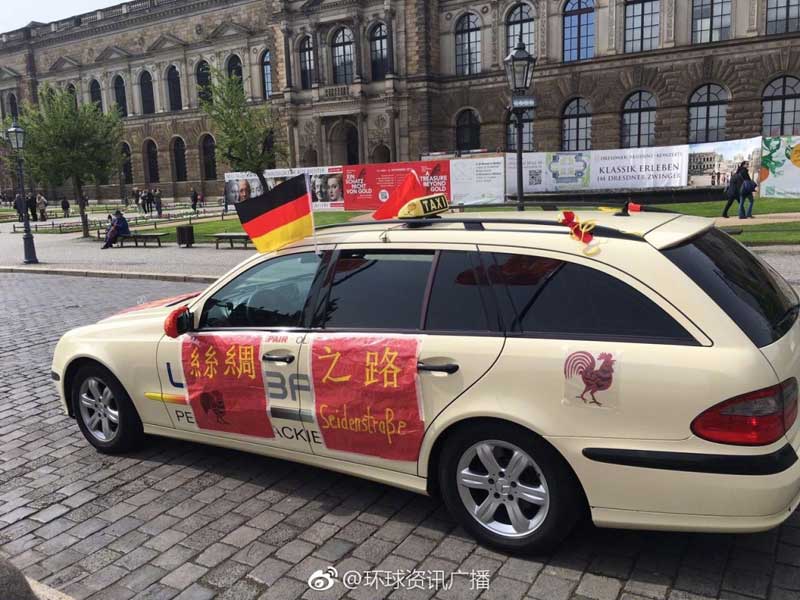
[751, 292]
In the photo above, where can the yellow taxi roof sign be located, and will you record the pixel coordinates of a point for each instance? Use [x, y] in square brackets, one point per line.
[426, 206]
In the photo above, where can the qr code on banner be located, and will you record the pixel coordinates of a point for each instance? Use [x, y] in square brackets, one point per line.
[534, 177]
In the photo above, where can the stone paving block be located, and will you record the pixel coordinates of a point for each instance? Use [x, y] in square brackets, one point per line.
[226, 574]
[242, 536]
[504, 588]
[599, 587]
[215, 554]
[142, 578]
[184, 576]
[174, 557]
[104, 577]
[294, 551]
[242, 590]
[135, 559]
[334, 549]
[156, 591]
[254, 553]
[787, 577]
[373, 550]
[165, 540]
[269, 571]
[551, 587]
[283, 589]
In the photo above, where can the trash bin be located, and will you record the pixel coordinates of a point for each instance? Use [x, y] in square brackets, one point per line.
[185, 235]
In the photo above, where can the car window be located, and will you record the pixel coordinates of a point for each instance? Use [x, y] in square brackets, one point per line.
[750, 291]
[271, 294]
[543, 296]
[456, 301]
[377, 290]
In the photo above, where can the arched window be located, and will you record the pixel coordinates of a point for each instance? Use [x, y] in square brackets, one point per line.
[203, 74]
[208, 151]
[639, 120]
[174, 88]
[342, 48]
[578, 30]
[781, 107]
[711, 21]
[379, 52]
[119, 96]
[468, 45]
[306, 63]
[235, 66]
[576, 126]
[708, 108]
[266, 75]
[13, 109]
[468, 130]
[96, 94]
[151, 162]
[146, 91]
[527, 131]
[127, 167]
[641, 25]
[179, 159]
[520, 20]
[783, 16]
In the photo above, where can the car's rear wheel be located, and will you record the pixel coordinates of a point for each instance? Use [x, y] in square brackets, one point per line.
[105, 413]
[509, 488]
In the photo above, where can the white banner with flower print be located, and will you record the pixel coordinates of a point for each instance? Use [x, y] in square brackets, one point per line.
[779, 176]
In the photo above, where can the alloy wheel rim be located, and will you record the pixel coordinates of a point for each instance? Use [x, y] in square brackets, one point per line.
[99, 409]
[503, 488]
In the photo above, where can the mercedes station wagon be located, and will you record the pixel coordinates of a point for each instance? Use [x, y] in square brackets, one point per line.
[647, 379]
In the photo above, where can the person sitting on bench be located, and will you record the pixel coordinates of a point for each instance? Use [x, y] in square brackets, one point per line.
[119, 226]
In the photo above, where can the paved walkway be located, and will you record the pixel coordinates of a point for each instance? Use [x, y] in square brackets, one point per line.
[184, 521]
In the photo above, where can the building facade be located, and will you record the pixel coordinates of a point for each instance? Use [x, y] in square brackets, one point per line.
[358, 81]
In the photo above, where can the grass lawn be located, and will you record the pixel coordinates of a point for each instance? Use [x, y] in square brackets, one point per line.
[204, 230]
[774, 233]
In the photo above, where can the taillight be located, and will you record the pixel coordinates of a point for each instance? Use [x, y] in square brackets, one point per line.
[755, 419]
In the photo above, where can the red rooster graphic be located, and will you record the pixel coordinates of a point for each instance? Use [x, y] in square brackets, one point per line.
[595, 380]
[213, 402]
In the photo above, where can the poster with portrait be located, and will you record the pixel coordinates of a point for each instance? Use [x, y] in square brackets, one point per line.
[326, 185]
[366, 187]
[241, 186]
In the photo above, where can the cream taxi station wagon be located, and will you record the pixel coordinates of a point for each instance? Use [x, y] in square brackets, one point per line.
[647, 378]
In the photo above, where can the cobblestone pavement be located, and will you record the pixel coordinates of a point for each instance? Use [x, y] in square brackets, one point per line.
[181, 520]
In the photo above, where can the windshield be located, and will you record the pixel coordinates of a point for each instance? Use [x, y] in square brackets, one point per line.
[751, 292]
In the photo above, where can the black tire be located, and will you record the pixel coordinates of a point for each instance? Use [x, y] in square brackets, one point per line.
[566, 499]
[129, 432]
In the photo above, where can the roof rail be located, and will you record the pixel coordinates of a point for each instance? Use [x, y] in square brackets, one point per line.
[477, 224]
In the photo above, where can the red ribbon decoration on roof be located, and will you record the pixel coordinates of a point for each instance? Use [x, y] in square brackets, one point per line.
[579, 231]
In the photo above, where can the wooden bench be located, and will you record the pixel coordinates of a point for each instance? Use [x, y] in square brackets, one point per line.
[137, 236]
[231, 237]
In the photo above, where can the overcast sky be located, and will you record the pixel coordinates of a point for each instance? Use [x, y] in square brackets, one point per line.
[45, 11]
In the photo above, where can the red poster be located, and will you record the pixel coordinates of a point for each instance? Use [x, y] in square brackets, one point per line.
[365, 395]
[366, 187]
[225, 385]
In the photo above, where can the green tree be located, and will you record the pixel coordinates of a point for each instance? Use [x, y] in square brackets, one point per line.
[67, 141]
[245, 134]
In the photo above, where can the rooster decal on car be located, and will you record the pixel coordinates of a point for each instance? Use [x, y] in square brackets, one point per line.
[594, 379]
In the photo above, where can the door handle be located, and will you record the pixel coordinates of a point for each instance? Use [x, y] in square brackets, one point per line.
[284, 358]
[448, 368]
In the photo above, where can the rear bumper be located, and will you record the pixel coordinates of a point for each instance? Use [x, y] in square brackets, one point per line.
[660, 488]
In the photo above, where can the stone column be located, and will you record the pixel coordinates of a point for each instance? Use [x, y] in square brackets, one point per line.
[321, 55]
[133, 95]
[292, 126]
[183, 70]
[324, 154]
[392, 135]
[159, 97]
[389, 17]
[287, 55]
[497, 42]
[106, 92]
[316, 40]
[357, 34]
[247, 75]
[362, 138]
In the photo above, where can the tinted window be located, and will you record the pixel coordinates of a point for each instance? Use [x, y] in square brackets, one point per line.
[554, 298]
[456, 302]
[271, 294]
[377, 290]
[746, 288]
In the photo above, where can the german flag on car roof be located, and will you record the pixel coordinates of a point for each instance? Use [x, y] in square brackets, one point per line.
[279, 217]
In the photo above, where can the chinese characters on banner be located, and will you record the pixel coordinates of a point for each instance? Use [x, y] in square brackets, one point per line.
[225, 384]
[366, 187]
[365, 395]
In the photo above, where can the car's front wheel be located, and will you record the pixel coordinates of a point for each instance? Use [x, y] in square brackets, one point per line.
[105, 413]
[508, 487]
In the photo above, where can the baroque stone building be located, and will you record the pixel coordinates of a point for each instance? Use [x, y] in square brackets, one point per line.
[357, 81]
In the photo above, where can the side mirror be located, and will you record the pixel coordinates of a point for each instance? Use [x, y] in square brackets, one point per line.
[178, 322]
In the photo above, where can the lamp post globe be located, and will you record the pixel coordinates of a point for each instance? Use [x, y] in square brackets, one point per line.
[519, 65]
[16, 139]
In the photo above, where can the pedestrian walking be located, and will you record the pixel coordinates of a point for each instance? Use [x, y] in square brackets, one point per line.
[150, 199]
[41, 206]
[19, 205]
[159, 205]
[30, 204]
[746, 189]
[65, 207]
[194, 197]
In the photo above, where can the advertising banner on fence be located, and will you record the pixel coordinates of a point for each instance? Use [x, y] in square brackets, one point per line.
[712, 164]
[549, 171]
[366, 187]
[241, 186]
[326, 185]
[780, 167]
[477, 180]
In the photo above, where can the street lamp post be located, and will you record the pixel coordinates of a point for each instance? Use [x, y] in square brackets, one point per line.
[16, 137]
[519, 66]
